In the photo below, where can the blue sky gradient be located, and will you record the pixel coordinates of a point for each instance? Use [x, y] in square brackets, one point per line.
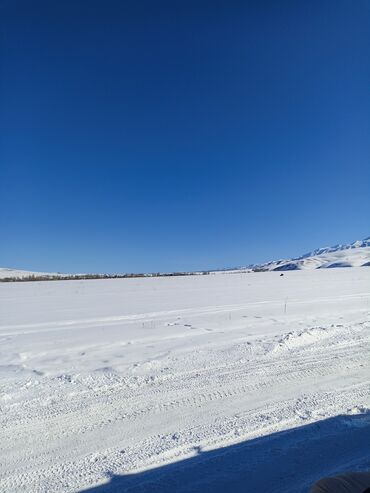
[159, 136]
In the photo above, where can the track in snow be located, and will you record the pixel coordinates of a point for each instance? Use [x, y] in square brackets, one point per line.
[118, 377]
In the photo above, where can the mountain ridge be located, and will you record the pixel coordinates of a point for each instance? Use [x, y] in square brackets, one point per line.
[356, 254]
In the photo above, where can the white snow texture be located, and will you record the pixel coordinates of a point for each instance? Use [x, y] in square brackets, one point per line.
[245, 382]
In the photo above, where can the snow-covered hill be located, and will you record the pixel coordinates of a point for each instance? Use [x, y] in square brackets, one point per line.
[356, 254]
[21, 274]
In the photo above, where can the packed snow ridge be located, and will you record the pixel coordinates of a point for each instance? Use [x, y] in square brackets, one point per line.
[356, 254]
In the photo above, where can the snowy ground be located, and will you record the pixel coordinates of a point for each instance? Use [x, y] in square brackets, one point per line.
[180, 378]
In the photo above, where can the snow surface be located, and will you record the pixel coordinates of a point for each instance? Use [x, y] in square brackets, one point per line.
[244, 382]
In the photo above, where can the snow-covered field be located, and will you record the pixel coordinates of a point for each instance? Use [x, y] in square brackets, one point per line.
[185, 383]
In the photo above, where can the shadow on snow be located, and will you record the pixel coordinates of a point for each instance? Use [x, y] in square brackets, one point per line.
[283, 462]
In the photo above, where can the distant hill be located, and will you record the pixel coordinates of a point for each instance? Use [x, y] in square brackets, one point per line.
[9, 275]
[356, 254]
[22, 274]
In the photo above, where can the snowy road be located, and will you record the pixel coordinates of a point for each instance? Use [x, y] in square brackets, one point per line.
[115, 377]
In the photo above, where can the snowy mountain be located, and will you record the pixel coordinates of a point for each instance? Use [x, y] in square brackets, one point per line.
[356, 254]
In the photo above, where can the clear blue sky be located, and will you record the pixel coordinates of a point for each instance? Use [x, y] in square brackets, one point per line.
[154, 135]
